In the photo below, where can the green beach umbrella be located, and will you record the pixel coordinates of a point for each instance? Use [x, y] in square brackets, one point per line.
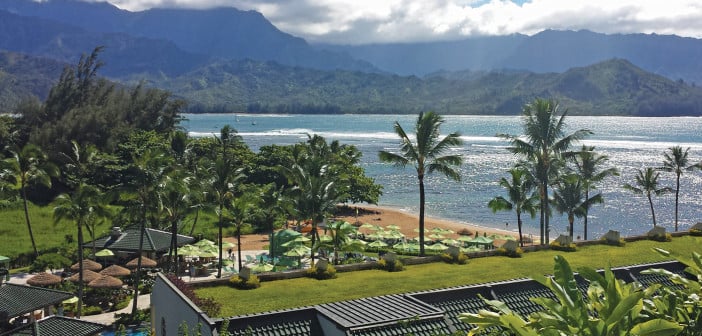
[436, 247]
[393, 234]
[204, 242]
[104, 253]
[298, 251]
[377, 244]
[260, 268]
[464, 238]
[403, 246]
[392, 227]
[451, 242]
[437, 236]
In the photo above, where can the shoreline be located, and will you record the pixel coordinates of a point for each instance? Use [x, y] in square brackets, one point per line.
[408, 221]
[386, 215]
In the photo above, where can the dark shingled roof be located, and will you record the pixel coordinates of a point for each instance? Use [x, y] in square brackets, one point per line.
[362, 313]
[20, 299]
[154, 241]
[293, 322]
[59, 326]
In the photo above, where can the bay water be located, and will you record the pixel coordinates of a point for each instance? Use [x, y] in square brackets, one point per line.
[630, 142]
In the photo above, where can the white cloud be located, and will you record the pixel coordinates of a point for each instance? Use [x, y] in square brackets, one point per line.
[371, 21]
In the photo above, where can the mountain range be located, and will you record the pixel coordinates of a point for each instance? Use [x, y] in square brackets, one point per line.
[225, 59]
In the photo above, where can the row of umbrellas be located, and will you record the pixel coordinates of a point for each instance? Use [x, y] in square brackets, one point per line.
[106, 278]
[204, 249]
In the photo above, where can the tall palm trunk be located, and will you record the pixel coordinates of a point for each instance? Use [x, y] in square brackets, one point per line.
[519, 227]
[677, 193]
[653, 213]
[421, 215]
[547, 228]
[26, 217]
[542, 214]
[238, 246]
[80, 271]
[571, 219]
[137, 276]
[220, 234]
[587, 209]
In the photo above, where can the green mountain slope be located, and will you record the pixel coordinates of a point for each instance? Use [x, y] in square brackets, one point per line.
[614, 87]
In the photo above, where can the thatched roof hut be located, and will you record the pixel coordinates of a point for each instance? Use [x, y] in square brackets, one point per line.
[44, 279]
[116, 271]
[105, 281]
[87, 265]
[145, 262]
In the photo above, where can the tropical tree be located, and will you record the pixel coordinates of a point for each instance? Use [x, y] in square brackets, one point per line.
[427, 156]
[587, 165]
[84, 204]
[174, 204]
[341, 233]
[23, 168]
[569, 198]
[142, 179]
[316, 190]
[522, 198]
[225, 177]
[543, 143]
[647, 184]
[676, 161]
[242, 210]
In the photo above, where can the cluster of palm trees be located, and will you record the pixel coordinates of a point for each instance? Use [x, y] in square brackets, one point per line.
[548, 162]
[675, 160]
[160, 185]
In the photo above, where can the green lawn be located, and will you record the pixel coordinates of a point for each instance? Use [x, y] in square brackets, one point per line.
[300, 292]
[13, 229]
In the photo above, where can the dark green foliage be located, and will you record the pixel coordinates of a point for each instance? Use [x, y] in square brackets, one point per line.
[240, 283]
[84, 108]
[459, 258]
[49, 261]
[322, 274]
[391, 266]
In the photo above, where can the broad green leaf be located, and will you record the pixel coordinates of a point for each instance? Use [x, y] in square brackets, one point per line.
[657, 327]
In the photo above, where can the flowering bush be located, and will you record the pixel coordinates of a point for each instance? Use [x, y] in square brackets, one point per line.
[241, 283]
[322, 274]
[391, 266]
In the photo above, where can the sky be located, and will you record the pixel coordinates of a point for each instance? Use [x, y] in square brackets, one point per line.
[386, 21]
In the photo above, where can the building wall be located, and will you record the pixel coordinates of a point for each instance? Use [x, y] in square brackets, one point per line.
[170, 309]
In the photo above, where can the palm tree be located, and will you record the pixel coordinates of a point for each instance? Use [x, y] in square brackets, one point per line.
[676, 161]
[242, 210]
[544, 130]
[647, 184]
[316, 190]
[427, 156]
[587, 167]
[174, 204]
[569, 198]
[25, 167]
[86, 202]
[340, 233]
[225, 176]
[522, 198]
[143, 177]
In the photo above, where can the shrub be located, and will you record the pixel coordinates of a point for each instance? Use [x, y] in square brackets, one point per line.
[661, 237]
[510, 253]
[565, 248]
[322, 274]
[121, 305]
[142, 315]
[241, 283]
[91, 310]
[392, 266]
[460, 258]
[49, 261]
[695, 232]
[610, 242]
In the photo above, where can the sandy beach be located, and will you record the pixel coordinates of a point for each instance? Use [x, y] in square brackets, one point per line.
[383, 216]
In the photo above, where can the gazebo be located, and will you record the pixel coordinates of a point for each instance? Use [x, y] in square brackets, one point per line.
[125, 243]
[43, 279]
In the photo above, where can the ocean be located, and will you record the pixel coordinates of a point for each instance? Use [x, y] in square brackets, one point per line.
[630, 142]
